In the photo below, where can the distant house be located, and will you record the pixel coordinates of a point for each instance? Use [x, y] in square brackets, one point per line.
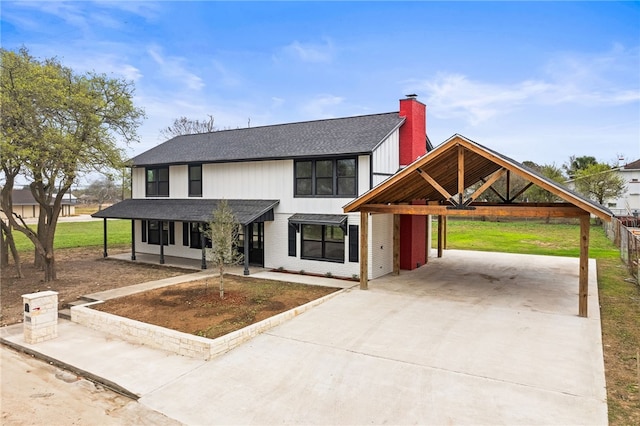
[27, 207]
[629, 203]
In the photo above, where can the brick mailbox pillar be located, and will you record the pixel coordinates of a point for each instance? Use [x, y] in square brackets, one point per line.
[40, 316]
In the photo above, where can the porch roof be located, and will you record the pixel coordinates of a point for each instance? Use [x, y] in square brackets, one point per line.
[188, 210]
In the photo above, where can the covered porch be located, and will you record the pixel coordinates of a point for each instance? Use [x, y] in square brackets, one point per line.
[250, 214]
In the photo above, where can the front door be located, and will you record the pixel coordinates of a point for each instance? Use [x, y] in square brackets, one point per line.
[255, 239]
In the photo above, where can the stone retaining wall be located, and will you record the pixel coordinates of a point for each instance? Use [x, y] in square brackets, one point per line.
[175, 341]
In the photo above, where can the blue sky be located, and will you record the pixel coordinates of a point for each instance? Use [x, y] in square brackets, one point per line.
[535, 81]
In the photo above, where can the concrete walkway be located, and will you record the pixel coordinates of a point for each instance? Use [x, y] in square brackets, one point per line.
[471, 338]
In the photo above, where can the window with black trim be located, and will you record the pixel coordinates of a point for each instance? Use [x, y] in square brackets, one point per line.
[196, 234]
[353, 243]
[157, 181]
[153, 232]
[322, 242]
[195, 180]
[326, 178]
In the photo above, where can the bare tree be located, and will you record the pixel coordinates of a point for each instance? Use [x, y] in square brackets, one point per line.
[223, 232]
[186, 126]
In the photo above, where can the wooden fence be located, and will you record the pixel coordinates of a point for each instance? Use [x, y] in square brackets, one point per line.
[628, 240]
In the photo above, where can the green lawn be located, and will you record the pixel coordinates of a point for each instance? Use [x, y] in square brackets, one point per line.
[526, 237]
[83, 234]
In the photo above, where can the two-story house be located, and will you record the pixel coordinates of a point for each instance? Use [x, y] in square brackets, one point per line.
[287, 185]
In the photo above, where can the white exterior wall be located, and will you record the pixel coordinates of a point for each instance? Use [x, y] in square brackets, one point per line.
[386, 158]
[137, 182]
[275, 180]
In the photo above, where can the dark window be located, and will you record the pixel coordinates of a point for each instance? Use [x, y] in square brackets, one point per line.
[322, 242]
[353, 243]
[144, 231]
[185, 234]
[346, 176]
[292, 240]
[303, 177]
[195, 234]
[195, 180]
[326, 178]
[172, 232]
[153, 232]
[157, 181]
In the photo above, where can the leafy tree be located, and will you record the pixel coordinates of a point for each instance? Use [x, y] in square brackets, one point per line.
[535, 194]
[223, 232]
[55, 125]
[576, 164]
[599, 182]
[186, 126]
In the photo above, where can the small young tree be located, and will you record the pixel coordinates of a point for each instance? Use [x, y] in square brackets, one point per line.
[223, 232]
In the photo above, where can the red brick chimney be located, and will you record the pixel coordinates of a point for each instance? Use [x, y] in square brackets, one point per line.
[413, 133]
[413, 144]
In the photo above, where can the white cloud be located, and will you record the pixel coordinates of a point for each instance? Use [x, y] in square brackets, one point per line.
[311, 52]
[322, 106]
[173, 68]
[607, 79]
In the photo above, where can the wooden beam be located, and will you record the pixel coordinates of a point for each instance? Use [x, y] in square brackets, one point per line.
[364, 250]
[506, 210]
[396, 244]
[435, 184]
[527, 186]
[583, 280]
[494, 177]
[460, 173]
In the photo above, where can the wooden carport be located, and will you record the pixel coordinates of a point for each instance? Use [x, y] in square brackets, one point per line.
[440, 183]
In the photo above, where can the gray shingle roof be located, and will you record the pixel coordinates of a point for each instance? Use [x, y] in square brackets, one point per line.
[185, 210]
[340, 136]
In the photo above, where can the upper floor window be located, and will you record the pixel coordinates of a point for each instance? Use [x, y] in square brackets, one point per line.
[326, 178]
[157, 180]
[195, 180]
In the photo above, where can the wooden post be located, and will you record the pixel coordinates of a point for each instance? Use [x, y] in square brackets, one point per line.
[133, 239]
[445, 219]
[396, 244]
[364, 250]
[104, 237]
[427, 236]
[440, 234]
[583, 281]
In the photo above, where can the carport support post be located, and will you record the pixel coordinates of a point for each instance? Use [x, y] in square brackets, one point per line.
[104, 237]
[364, 250]
[583, 286]
[440, 234]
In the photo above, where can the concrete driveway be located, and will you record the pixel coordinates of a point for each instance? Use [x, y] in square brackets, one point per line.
[471, 338]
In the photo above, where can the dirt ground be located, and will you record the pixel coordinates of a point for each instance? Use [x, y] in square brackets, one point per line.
[80, 271]
[36, 393]
[196, 307]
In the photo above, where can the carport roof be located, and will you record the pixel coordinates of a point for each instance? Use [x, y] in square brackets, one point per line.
[441, 177]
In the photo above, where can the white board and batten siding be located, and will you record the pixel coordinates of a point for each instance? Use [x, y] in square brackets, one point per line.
[386, 158]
